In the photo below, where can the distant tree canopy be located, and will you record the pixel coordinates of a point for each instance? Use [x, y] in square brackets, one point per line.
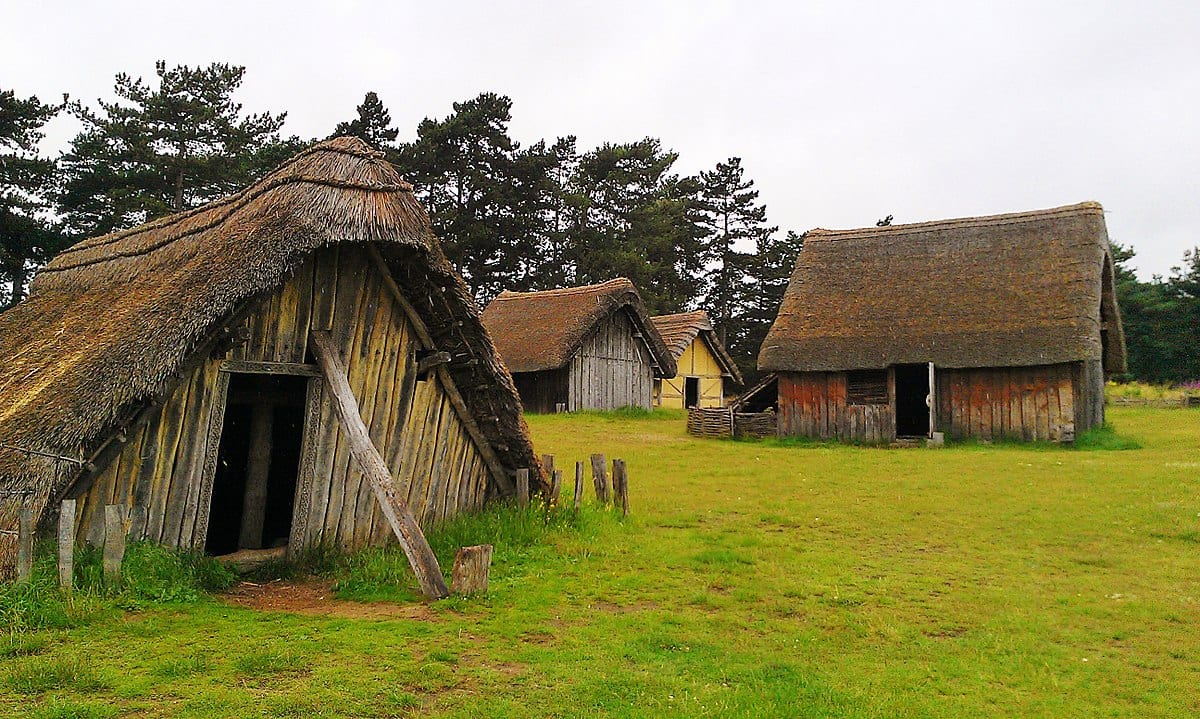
[514, 217]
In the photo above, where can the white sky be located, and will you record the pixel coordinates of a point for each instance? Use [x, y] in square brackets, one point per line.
[843, 112]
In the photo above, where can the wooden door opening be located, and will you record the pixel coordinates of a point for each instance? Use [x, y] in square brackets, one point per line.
[258, 460]
[912, 395]
[691, 392]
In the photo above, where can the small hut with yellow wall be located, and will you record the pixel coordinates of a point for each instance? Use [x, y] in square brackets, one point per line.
[703, 365]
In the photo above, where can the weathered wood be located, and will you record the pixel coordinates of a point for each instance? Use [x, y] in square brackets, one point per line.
[285, 368]
[555, 488]
[244, 561]
[600, 477]
[66, 544]
[258, 471]
[432, 360]
[471, 569]
[114, 542]
[137, 523]
[620, 486]
[548, 465]
[412, 540]
[523, 487]
[578, 485]
[24, 544]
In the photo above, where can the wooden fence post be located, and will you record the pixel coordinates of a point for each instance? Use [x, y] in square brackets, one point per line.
[471, 567]
[24, 544]
[66, 545]
[621, 486]
[114, 542]
[600, 477]
[578, 485]
[523, 487]
[555, 488]
[137, 523]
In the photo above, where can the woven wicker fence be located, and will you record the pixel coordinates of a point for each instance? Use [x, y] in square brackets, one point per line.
[710, 422]
[755, 424]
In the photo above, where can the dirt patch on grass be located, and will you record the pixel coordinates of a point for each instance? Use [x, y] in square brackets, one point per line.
[315, 598]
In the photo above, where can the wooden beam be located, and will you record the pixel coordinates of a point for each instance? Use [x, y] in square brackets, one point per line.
[432, 360]
[374, 468]
[258, 472]
[286, 368]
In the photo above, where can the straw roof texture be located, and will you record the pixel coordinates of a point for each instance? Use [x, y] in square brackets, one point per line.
[1007, 290]
[537, 331]
[678, 331]
[111, 320]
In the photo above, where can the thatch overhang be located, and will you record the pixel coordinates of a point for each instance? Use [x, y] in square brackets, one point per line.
[679, 330]
[112, 321]
[538, 331]
[1030, 288]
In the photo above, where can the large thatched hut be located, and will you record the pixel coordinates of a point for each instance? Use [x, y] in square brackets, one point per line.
[986, 327]
[591, 347]
[171, 367]
[703, 366]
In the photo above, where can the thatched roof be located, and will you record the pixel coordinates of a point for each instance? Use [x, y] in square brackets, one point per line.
[680, 329]
[112, 319]
[1007, 290]
[536, 331]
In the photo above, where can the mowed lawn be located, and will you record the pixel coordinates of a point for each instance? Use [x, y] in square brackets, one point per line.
[752, 579]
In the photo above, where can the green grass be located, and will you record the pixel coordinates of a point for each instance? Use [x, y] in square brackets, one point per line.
[752, 579]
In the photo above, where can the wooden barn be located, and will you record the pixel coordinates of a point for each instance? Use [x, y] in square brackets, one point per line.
[591, 347]
[984, 327]
[174, 367]
[702, 365]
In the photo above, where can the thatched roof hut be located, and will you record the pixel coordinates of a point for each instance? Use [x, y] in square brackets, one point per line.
[117, 327]
[703, 365]
[1020, 291]
[590, 347]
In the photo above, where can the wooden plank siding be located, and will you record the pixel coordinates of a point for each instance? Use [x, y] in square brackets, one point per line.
[611, 369]
[433, 457]
[814, 404]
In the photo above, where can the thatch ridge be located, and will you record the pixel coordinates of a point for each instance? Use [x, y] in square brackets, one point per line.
[538, 331]
[678, 331]
[111, 322]
[1016, 289]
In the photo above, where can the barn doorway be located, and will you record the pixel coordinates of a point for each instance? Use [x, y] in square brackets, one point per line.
[258, 461]
[691, 392]
[912, 392]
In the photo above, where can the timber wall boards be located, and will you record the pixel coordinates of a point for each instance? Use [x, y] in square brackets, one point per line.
[611, 369]
[167, 465]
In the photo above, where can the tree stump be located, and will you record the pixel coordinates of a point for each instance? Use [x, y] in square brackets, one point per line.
[600, 477]
[471, 568]
[621, 486]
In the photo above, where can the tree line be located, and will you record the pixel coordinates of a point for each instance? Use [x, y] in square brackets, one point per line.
[546, 215]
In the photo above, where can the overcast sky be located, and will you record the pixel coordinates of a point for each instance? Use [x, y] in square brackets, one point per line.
[843, 112]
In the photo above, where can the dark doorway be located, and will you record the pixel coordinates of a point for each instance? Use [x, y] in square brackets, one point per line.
[257, 463]
[691, 392]
[912, 389]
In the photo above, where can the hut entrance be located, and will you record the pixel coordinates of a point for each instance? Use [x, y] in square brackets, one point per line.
[691, 392]
[258, 460]
[912, 394]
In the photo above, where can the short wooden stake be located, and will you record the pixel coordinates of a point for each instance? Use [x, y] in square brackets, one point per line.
[600, 477]
[555, 487]
[471, 567]
[66, 545]
[548, 465]
[137, 524]
[621, 486]
[523, 487]
[24, 544]
[114, 542]
[578, 485]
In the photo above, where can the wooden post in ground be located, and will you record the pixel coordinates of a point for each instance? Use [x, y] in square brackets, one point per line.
[137, 523]
[471, 567]
[420, 556]
[600, 477]
[114, 542]
[548, 466]
[555, 488]
[621, 486]
[523, 487]
[578, 485]
[258, 471]
[24, 544]
[66, 545]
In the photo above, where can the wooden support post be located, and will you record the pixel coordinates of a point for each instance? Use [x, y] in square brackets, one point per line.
[422, 559]
[555, 488]
[620, 487]
[114, 542]
[24, 544]
[66, 545]
[578, 485]
[137, 524]
[471, 568]
[600, 477]
[523, 487]
[548, 467]
[258, 471]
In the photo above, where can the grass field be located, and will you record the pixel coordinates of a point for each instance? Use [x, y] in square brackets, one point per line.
[753, 579]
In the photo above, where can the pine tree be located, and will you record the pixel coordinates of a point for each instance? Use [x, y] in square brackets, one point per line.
[373, 124]
[768, 272]
[165, 147]
[28, 237]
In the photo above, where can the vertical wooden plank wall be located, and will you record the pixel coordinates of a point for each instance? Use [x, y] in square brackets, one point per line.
[1027, 403]
[611, 369]
[813, 404]
[430, 451]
